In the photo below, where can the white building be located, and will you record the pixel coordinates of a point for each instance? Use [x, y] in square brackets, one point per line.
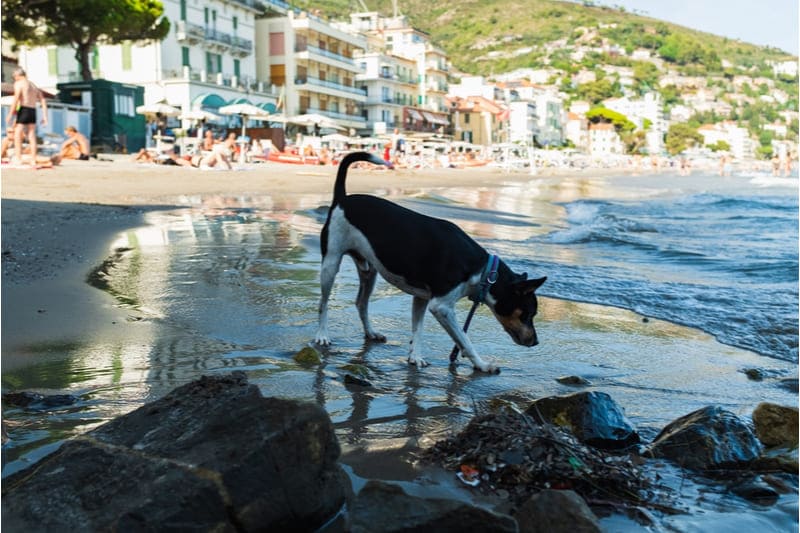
[576, 131]
[207, 59]
[316, 63]
[742, 146]
[398, 53]
[641, 111]
[604, 140]
[391, 86]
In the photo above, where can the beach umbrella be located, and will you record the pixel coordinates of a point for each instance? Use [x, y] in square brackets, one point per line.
[246, 111]
[316, 120]
[336, 137]
[158, 110]
[199, 115]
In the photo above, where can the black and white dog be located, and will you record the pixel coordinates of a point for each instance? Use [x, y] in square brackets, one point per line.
[431, 259]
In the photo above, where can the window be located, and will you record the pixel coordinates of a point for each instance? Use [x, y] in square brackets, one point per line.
[213, 63]
[276, 44]
[123, 105]
[127, 60]
[95, 59]
[183, 9]
[185, 56]
[236, 69]
[52, 61]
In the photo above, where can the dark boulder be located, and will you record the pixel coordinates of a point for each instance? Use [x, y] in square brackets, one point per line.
[388, 508]
[211, 455]
[708, 439]
[593, 417]
[556, 511]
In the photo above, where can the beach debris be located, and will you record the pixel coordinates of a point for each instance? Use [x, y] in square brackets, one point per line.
[514, 456]
[469, 475]
[308, 356]
[576, 381]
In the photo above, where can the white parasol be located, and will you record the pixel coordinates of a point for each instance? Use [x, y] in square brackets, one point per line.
[158, 110]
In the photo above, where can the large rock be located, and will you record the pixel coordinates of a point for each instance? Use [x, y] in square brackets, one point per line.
[556, 511]
[593, 417]
[211, 455]
[388, 508]
[776, 425]
[707, 439]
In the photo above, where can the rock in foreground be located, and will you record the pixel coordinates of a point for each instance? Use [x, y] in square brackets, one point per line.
[593, 417]
[708, 439]
[211, 455]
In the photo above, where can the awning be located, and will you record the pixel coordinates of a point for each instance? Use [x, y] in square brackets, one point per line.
[240, 100]
[210, 100]
[414, 114]
[269, 107]
[433, 119]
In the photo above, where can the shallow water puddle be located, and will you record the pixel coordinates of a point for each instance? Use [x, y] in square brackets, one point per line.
[232, 283]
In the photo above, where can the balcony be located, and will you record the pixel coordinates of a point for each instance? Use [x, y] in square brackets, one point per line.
[307, 51]
[189, 33]
[219, 41]
[241, 47]
[316, 83]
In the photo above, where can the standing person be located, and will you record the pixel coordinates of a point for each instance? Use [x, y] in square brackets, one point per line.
[23, 107]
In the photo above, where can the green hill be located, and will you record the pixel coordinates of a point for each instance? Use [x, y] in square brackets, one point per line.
[492, 36]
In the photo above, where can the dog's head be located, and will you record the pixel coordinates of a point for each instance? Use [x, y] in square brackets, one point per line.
[515, 305]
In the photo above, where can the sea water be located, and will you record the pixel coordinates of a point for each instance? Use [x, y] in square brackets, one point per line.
[716, 253]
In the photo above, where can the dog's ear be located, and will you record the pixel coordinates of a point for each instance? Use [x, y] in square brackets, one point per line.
[528, 286]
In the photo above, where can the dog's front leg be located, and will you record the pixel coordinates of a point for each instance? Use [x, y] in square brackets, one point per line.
[418, 308]
[444, 312]
[366, 278]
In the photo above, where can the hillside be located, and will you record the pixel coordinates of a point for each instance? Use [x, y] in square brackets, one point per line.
[493, 36]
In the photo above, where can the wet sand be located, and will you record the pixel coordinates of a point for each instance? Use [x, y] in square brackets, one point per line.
[58, 223]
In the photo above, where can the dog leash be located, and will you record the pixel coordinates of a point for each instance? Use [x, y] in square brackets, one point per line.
[489, 278]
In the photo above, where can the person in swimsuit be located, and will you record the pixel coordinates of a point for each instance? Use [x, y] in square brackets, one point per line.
[75, 147]
[23, 107]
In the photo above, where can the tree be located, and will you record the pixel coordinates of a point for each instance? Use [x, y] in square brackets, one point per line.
[681, 136]
[603, 114]
[82, 24]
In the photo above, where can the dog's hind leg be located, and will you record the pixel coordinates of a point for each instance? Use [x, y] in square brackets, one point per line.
[418, 308]
[330, 267]
[366, 278]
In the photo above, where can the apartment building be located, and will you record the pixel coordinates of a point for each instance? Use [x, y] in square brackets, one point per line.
[207, 59]
[604, 140]
[316, 63]
[399, 46]
[390, 83]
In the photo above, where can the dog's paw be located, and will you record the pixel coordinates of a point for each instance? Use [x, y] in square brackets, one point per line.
[374, 336]
[487, 368]
[419, 362]
[322, 340]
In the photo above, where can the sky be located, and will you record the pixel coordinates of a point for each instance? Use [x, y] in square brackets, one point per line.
[765, 22]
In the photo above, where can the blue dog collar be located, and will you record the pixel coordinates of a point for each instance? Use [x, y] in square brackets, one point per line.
[489, 278]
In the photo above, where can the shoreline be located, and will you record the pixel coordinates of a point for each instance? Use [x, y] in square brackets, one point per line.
[59, 223]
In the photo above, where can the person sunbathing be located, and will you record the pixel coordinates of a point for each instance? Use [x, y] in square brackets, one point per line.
[75, 147]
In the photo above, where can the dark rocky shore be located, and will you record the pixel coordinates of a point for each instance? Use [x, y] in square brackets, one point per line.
[216, 455]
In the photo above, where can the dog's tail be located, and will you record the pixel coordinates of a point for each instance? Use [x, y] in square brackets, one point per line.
[338, 189]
